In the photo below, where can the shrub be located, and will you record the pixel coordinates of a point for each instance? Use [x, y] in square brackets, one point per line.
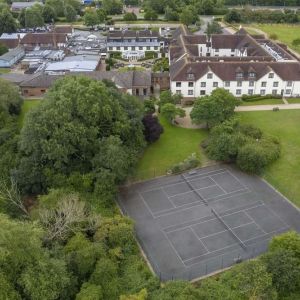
[152, 128]
[273, 36]
[131, 16]
[190, 162]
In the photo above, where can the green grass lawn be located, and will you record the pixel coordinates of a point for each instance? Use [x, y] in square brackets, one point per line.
[27, 106]
[174, 145]
[284, 174]
[4, 70]
[293, 100]
[286, 32]
[262, 102]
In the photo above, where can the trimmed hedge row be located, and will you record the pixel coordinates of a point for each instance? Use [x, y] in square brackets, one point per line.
[252, 98]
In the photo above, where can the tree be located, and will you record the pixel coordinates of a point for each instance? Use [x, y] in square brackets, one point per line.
[142, 295]
[70, 13]
[25, 262]
[81, 256]
[57, 5]
[250, 280]
[34, 16]
[10, 99]
[188, 16]
[170, 111]
[80, 142]
[130, 16]
[112, 7]
[213, 28]
[233, 16]
[176, 290]
[101, 15]
[90, 18]
[49, 14]
[7, 290]
[214, 109]
[3, 49]
[149, 106]
[7, 22]
[285, 269]
[150, 15]
[161, 65]
[168, 97]
[90, 291]
[171, 14]
[65, 218]
[152, 128]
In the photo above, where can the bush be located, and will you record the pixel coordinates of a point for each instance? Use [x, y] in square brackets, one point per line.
[190, 162]
[131, 16]
[152, 128]
[273, 36]
[253, 98]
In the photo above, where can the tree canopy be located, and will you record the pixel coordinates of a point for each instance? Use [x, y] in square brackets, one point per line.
[83, 129]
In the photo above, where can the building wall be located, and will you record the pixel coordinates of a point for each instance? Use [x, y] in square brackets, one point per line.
[33, 91]
[133, 48]
[268, 84]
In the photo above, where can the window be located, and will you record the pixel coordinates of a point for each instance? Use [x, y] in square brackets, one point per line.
[148, 48]
[118, 48]
[271, 75]
[203, 84]
[264, 84]
[238, 92]
[251, 83]
[275, 84]
[190, 92]
[250, 92]
[111, 48]
[140, 48]
[274, 92]
[155, 47]
[289, 83]
[215, 84]
[145, 92]
[190, 76]
[239, 75]
[232, 50]
[178, 84]
[125, 48]
[43, 91]
[288, 92]
[217, 50]
[252, 74]
[132, 48]
[178, 91]
[202, 92]
[227, 83]
[209, 75]
[239, 83]
[191, 84]
[262, 92]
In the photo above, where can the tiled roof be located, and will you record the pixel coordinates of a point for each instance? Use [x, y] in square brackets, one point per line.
[44, 38]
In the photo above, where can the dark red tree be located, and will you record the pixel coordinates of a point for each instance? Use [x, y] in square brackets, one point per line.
[152, 128]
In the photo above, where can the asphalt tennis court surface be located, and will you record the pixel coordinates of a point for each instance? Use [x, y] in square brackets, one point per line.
[196, 223]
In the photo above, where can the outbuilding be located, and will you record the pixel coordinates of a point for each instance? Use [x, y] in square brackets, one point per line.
[8, 59]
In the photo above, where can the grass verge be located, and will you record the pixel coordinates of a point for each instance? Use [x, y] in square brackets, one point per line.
[284, 174]
[174, 145]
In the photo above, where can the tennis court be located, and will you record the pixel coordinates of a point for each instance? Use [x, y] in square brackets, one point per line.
[193, 224]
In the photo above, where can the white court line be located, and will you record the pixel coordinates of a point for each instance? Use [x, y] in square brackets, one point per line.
[231, 194]
[255, 222]
[174, 206]
[141, 196]
[174, 249]
[218, 171]
[225, 192]
[276, 215]
[228, 214]
[237, 179]
[282, 228]
[191, 191]
[181, 181]
[199, 240]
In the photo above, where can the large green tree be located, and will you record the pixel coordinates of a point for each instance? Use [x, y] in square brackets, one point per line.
[214, 109]
[82, 129]
[8, 23]
[34, 16]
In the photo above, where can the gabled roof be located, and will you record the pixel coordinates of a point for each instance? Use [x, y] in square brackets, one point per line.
[44, 38]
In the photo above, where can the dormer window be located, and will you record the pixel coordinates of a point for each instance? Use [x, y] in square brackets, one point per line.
[252, 74]
[190, 76]
[239, 75]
